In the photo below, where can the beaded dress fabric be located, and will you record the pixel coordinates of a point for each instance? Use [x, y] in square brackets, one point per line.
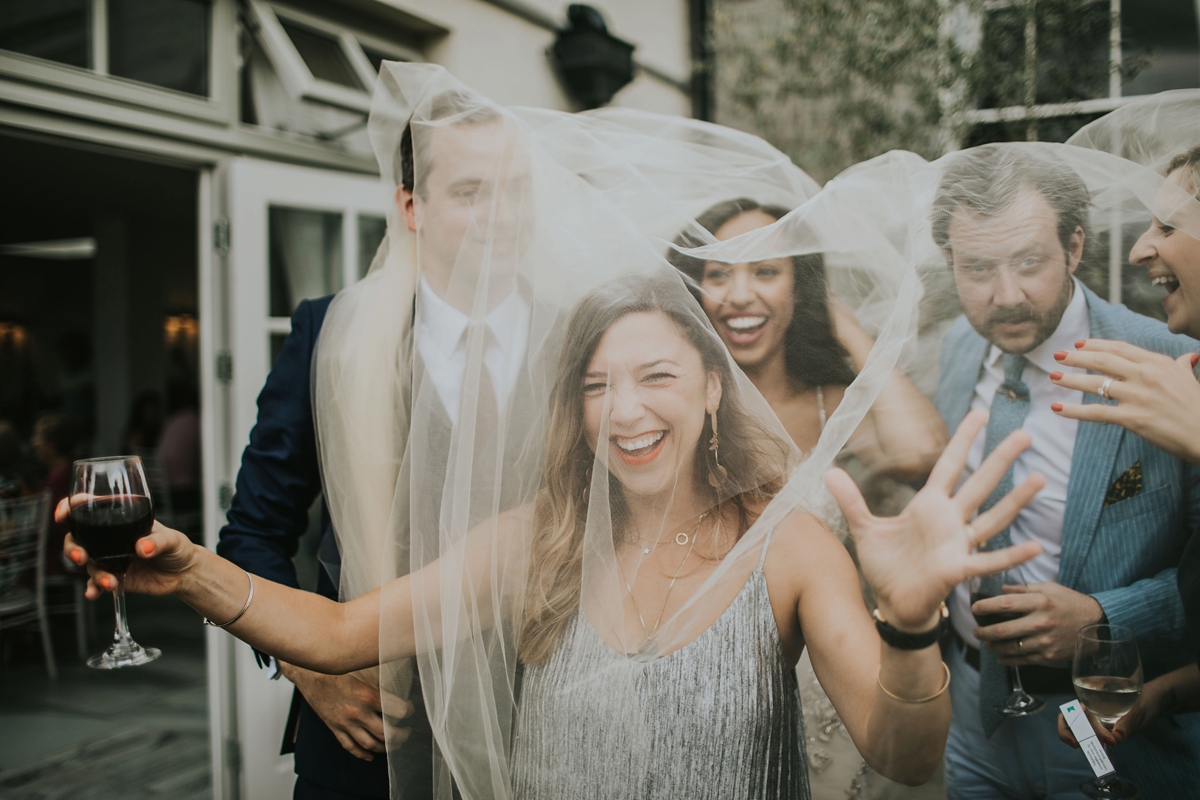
[722, 716]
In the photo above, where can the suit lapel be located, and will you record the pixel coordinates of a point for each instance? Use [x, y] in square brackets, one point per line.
[956, 389]
[1096, 448]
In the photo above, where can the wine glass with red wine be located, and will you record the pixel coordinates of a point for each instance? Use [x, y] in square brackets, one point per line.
[1107, 673]
[110, 511]
[1019, 703]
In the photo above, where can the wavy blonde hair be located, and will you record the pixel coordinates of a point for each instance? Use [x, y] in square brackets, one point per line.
[756, 459]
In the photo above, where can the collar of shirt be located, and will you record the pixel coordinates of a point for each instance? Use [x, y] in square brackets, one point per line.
[441, 341]
[444, 327]
[1073, 327]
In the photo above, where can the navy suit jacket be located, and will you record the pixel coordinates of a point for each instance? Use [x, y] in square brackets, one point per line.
[1124, 554]
[278, 482]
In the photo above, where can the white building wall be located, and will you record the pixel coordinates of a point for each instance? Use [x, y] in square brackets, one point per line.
[504, 56]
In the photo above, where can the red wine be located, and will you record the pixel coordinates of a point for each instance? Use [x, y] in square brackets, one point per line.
[985, 620]
[1107, 697]
[109, 527]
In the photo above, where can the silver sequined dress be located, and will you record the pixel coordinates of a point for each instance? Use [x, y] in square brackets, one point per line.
[719, 718]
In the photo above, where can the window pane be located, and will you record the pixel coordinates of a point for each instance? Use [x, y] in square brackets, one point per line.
[370, 233]
[377, 58]
[58, 30]
[1048, 129]
[1160, 46]
[1059, 129]
[163, 42]
[323, 55]
[1073, 50]
[997, 71]
[1072, 54]
[305, 252]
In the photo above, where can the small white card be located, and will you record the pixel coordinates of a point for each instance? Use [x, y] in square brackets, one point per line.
[1091, 746]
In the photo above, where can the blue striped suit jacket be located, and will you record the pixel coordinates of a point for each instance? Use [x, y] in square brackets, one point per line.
[1124, 554]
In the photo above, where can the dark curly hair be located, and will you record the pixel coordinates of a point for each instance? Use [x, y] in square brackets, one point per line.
[812, 352]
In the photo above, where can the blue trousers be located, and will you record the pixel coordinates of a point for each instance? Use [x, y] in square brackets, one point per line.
[1024, 759]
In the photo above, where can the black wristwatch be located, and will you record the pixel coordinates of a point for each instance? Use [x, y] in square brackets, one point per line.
[911, 641]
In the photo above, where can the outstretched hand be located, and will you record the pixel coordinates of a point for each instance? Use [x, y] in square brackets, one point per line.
[162, 558]
[915, 560]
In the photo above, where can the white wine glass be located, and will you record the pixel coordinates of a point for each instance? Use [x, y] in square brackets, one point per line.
[1107, 673]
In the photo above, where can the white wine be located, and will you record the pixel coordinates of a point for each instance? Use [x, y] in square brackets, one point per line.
[1106, 697]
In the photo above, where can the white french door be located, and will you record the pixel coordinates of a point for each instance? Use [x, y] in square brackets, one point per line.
[294, 233]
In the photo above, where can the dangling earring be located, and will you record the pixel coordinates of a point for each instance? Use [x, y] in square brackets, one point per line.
[717, 475]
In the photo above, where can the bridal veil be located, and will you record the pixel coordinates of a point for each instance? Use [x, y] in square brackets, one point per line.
[534, 229]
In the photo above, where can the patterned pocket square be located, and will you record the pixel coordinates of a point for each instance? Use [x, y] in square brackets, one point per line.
[1127, 486]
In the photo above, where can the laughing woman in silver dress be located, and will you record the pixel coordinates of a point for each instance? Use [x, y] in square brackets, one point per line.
[647, 414]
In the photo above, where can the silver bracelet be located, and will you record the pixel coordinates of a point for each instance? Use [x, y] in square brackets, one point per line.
[238, 615]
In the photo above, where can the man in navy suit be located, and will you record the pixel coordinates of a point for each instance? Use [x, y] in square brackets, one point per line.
[339, 741]
[1115, 512]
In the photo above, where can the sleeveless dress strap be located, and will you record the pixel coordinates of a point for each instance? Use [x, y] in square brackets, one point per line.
[762, 559]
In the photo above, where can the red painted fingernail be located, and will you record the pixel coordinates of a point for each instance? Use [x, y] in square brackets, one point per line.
[1079, 345]
[146, 548]
[1195, 359]
[1060, 355]
[1056, 376]
[110, 583]
[1056, 407]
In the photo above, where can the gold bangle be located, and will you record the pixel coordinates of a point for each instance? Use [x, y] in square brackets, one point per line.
[931, 697]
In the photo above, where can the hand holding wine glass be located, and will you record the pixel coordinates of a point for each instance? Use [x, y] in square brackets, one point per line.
[1107, 673]
[915, 560]
[1019, 703]
[110, 510]
[156, 566]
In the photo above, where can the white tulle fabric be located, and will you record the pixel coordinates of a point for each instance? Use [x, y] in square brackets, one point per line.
[1151, 132]
[571, 208]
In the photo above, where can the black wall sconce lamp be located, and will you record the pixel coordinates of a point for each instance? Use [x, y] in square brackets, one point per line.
[593, 63]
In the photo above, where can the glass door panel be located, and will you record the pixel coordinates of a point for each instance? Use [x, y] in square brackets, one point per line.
[295, 234]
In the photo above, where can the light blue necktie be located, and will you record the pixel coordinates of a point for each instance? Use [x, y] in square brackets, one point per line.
[1010, 404]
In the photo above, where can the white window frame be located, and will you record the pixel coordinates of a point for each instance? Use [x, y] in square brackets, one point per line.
[295, 75]
[95, 80]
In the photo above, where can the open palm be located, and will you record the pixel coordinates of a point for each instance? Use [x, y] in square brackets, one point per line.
[915, 560]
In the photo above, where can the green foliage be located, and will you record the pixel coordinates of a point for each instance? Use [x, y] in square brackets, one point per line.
[831, 82]
[836, 82]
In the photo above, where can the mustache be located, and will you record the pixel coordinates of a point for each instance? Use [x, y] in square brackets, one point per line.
[1012, 316]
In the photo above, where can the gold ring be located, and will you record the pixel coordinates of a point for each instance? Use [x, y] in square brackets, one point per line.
[1021, 646]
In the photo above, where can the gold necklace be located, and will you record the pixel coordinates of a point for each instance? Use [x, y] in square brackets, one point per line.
[649, 648]
[681, 538]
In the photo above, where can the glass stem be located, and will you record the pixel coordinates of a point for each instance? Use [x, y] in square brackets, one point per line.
[121, 634]
[1015, 675]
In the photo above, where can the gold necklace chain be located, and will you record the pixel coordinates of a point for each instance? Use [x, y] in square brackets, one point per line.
[648, 647]
[681, 538]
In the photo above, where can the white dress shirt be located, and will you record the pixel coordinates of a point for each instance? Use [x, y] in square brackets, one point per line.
[442, 342]
[1050, 454]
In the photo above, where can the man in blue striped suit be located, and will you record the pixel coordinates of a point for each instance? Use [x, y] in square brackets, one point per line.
[1115, 512]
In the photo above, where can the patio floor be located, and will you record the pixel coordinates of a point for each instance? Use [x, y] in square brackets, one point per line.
[139, 732]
